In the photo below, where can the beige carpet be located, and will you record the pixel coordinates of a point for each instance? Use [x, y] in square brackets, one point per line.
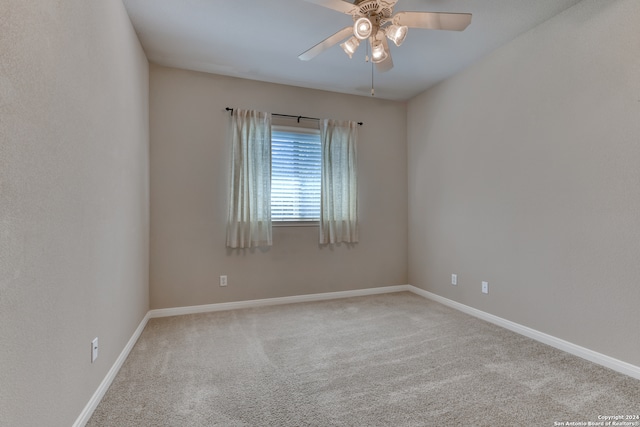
[387, 360]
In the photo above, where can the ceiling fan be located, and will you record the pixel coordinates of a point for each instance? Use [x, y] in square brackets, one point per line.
[374, 21]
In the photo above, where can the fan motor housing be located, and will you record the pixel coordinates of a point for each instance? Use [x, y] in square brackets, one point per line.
[373, 8]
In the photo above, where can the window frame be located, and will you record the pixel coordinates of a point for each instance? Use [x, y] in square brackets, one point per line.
[299, 130]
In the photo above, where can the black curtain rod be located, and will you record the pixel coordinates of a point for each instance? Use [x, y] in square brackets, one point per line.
[289, 115]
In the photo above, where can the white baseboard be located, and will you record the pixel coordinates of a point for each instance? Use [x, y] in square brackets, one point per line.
[576, 350]
[178, 311]
[86, 413]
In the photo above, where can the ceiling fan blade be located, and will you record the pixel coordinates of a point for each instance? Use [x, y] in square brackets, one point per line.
[387, 64]
[338, 5]
[433, 20]
[326, 44]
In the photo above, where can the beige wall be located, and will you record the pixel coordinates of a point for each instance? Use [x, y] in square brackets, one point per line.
[189, 175]
[524, 172]
[73, 202]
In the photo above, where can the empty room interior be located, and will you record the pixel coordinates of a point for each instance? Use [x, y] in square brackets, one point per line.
[490, 271]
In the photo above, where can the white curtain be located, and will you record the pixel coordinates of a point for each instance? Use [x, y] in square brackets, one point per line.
[339, 204]
[249, 218]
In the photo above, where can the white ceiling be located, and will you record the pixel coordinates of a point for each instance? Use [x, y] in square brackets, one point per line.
[261, 40]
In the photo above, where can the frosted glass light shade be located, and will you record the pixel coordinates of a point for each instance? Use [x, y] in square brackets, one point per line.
[397, 33]
[378, 52]
[362, 28]
[350, 46]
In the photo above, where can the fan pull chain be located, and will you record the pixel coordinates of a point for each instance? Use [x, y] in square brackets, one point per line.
[366, 58]
[372, 91]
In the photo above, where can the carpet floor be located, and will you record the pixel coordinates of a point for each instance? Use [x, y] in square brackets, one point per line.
[383, 360]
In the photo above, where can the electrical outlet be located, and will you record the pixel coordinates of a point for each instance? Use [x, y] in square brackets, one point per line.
[485, 287]
[454, 279]
[223, 280]
[94, 349]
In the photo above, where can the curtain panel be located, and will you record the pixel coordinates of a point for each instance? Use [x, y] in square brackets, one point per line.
[249, 216]
[339, 201]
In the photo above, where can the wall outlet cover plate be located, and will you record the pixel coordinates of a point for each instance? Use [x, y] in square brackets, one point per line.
[94, 349]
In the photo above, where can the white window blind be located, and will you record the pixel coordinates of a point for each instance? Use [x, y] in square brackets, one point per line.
[296, 168]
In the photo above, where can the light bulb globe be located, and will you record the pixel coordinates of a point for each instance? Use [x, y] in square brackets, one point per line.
[396, 33]
[362, 28]
[378, 52]
[350, 46]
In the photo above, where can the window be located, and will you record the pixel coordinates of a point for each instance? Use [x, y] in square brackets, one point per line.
[296, 168]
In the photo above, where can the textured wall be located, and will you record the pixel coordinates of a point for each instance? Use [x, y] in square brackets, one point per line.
[523, 171]
[189, 175]
[73, 202]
